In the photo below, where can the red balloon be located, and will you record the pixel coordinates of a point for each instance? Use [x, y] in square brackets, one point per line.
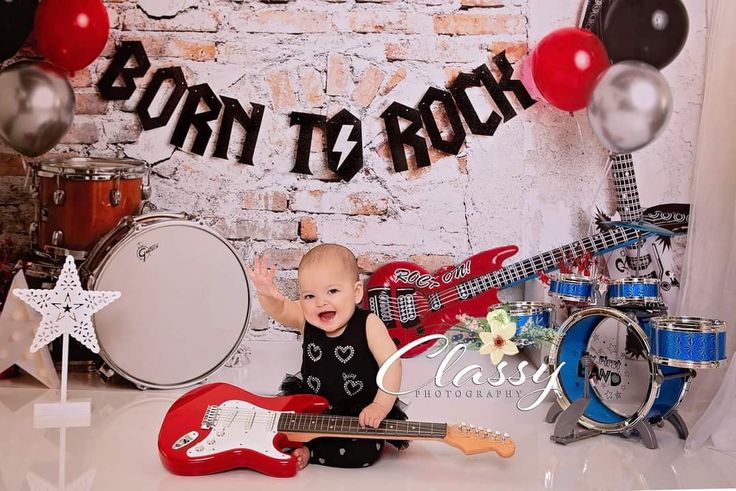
[71, 33]
[565, 66]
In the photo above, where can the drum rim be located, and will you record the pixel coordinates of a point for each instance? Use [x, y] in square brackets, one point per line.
[671, 362]
[654, 385]
[112, 252]
[83, 168]
[629, 280]
[535, 306]
[688, 324]
[573, 278]
[620, 301]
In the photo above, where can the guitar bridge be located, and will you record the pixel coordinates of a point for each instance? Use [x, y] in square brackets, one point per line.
[210, 417]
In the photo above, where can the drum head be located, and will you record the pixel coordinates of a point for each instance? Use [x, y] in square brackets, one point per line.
[184, 306]
[623, 384]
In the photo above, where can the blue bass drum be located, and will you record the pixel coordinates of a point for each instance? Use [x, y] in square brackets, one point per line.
[538, 313]
[628, 293]
[626, 385]
[573, 288]
[688, 342]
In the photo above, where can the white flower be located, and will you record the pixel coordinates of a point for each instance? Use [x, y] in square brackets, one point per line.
[498, 342]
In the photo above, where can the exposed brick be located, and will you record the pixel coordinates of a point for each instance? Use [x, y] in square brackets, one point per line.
[308, 230]
[480, 23]
[166, 46]
[398, 76]
[82, 132]
[11, 164]
[284, 258]
[432, 262]
[265, 200]
[376, 22]
[339, 80]
[190, 21]
[410, 50]
[282, 92]
[311, 87]
[286, 22]
[369, 263]
[317, 201]
[89, 103]
[367, 89]
[81, 78]
[515, 51]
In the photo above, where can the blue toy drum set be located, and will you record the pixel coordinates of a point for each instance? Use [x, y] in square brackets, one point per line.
[625, 368]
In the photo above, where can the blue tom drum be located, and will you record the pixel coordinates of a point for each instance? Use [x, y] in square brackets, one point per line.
[573, 288]
[687, 342]
[539, 314]
[634, 293]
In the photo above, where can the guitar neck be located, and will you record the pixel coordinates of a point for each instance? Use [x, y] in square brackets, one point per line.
[348, 426]
[624, 182]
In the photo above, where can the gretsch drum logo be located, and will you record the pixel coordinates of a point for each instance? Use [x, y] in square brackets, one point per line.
[145, 250]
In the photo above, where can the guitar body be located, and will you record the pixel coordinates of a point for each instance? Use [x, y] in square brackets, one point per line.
[414, 303]
[259, 448]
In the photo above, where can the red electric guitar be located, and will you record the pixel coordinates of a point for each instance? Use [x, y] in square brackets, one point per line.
[217, 427]
[414, 303]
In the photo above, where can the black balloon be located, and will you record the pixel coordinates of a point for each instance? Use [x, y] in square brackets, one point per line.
[652, 31]
[16, 23]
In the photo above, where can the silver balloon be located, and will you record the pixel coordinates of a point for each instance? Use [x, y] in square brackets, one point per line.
[630, 106]
[36, 106]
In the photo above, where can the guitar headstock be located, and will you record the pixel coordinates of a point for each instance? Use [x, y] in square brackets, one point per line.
[473, 439]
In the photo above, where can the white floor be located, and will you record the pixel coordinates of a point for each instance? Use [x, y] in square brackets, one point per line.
[118, 450]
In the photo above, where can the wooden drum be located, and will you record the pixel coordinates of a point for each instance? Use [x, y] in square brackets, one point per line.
[82, 199]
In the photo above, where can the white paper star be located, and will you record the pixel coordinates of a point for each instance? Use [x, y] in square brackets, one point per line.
[67, 309]
[17, 325]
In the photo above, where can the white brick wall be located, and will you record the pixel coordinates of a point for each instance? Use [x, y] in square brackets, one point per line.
[531, 184]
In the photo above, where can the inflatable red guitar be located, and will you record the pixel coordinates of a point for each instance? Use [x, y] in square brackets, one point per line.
[414, 303]
[217, 427]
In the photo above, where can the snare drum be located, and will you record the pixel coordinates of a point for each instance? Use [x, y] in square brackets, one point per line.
[82, 199]
[688, 342]
[185, 300]
[538, 313]
[627, 385]
[628, 293]
[573, 288]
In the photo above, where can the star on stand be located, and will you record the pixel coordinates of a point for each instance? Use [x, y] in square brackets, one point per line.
[67, 309]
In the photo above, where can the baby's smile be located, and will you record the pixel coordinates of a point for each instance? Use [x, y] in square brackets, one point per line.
[327, 316]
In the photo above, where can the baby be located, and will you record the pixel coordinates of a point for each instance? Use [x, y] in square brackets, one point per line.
[343, 348]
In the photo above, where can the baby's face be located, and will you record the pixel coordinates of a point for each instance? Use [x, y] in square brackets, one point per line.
[328, 294]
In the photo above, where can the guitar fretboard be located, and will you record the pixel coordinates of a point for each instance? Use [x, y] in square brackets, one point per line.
[547, 261]
[342, 425]
[627, 192]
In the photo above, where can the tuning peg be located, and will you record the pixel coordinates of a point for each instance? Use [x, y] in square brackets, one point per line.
[478, 430]
[496, 435]
[506, 436]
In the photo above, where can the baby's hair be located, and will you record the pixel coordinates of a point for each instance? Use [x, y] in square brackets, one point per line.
[331, 252]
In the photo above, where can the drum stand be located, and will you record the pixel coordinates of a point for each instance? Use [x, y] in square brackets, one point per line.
[568, 430]
[674, 417]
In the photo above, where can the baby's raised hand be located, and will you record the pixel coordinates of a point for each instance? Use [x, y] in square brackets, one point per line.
[262, 277]
[372, 415]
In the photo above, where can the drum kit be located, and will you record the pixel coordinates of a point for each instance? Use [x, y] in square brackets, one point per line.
[624, 368]
[185, 301]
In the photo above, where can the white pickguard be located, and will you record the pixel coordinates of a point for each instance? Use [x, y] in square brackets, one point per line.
[241, 425]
